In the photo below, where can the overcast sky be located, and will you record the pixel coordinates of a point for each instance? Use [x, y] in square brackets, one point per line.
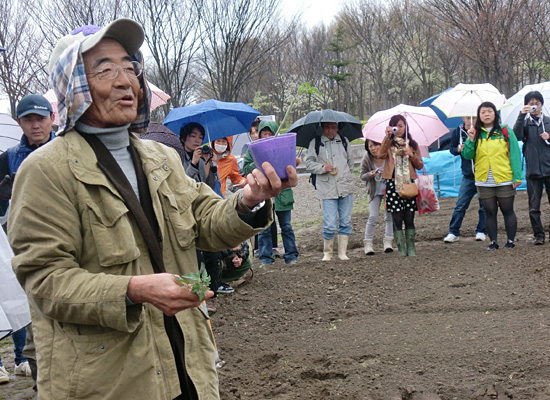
[314, 11]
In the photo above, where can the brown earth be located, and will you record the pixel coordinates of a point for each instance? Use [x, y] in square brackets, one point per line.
[454, 322]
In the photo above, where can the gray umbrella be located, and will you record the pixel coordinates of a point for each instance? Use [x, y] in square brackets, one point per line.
[308, 127]
[160, 133]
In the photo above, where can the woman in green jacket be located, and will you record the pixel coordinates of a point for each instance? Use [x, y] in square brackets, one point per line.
[498, 170]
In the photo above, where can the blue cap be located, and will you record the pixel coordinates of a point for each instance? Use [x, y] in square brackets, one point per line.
[33, 104]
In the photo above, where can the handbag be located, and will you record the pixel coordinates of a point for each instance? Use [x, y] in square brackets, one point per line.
[427, 199]
[408, 191]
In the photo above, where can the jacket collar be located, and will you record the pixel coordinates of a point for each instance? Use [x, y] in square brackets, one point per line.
[83, 162]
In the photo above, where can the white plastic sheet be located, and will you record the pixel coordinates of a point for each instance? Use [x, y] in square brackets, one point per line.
[14, 307]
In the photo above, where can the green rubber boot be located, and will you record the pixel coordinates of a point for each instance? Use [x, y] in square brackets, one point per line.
[410, 234]
[400, 242]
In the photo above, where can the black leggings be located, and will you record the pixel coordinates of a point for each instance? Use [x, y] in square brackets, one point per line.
[399, 217]
[506, 205]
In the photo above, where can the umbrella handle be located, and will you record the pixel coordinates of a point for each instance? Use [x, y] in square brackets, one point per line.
[334, 171]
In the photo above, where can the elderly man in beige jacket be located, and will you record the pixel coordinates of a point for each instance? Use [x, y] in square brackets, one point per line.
[100, 223]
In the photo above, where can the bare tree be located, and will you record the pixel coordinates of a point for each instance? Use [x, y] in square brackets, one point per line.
[173, 36]
[490, 33]
[56, 18]
[22, 64]
[236, 44]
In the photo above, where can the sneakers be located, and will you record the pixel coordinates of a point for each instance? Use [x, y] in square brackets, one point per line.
[225, 289]
[480, 236]
[293, 261]
[4, 376]
[539, 240]
[493, 246]
[23, 369]
[509, 244]
[275, 253]
[450, 238]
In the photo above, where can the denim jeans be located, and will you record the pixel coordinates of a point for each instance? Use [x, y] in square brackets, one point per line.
[337, 211]
[534, 191]
[19, 339]
[289, 241]
[466, 193]
[374, 212]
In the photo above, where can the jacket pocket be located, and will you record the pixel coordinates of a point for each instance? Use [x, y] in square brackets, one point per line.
[179, 216]
[113, 234]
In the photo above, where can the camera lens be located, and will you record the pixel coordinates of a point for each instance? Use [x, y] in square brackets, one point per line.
[206, 149]
[394, 129]
[533, 108]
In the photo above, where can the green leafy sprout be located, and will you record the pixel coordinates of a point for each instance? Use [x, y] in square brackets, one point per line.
[199, 282]
[303, 88]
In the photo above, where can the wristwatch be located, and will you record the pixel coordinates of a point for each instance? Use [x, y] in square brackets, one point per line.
[246, 209]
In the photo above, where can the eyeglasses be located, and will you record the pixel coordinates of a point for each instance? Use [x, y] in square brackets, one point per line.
[110, 70]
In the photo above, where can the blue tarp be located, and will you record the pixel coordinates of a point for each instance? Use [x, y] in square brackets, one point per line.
[447, 172]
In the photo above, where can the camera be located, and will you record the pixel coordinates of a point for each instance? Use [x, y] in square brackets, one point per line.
[206, 149]
[533, 108]
[394, 129]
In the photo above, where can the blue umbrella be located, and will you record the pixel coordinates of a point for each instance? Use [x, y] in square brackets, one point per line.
[219, 118]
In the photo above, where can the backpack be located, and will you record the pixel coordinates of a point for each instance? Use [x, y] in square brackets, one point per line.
[318, 144]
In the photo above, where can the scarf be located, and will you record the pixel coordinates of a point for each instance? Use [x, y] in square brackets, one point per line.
[402, 172]
[68, 80]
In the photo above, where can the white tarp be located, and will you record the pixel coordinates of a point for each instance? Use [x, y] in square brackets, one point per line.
[14, 307]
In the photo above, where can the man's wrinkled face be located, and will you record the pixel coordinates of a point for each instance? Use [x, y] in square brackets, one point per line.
[37, 128]
[115, 101]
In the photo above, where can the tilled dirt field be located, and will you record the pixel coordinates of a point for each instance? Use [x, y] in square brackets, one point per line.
[454, 322]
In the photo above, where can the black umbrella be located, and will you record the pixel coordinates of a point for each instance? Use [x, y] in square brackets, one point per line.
[308, 127]
[159, 133]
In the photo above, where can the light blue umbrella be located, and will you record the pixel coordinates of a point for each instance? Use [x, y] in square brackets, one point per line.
[219, 118]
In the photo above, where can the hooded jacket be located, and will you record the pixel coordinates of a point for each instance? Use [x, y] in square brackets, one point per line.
[535, 149]
[491, 151]
[331, 186]
[76, 248]
[228, 167]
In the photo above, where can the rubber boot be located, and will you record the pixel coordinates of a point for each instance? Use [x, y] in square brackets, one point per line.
[328, 248]
[369, 251]
[343, 247]
[410, 234]
[388, 244]
[400, 242]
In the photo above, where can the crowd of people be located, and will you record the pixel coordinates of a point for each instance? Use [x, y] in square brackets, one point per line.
[102, 222]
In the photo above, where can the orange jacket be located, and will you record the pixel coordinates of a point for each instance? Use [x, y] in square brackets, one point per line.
[228, 167]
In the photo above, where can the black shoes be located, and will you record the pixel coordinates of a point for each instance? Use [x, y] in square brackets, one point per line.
[493, 246]
[539, 240]
[509, 244]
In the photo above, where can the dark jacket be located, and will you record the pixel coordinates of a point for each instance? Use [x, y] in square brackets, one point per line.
[535, 150]
[467, 165]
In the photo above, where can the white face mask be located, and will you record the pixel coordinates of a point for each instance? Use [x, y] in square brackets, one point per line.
[220, 148]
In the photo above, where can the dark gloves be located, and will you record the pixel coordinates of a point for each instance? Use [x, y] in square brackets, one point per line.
[6, 186]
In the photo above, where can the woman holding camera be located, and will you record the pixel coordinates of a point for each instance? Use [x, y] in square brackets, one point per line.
[198, 159]
[498, 170]
[403, 158]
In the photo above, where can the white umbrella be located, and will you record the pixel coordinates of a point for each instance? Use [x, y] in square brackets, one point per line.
[424, 124]
[464, 99]
[10, 132]
[510, 114]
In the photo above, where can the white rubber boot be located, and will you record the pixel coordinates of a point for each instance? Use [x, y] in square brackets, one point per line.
[343, 247]
[388, 244]
[328, 248]
[369, 251]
